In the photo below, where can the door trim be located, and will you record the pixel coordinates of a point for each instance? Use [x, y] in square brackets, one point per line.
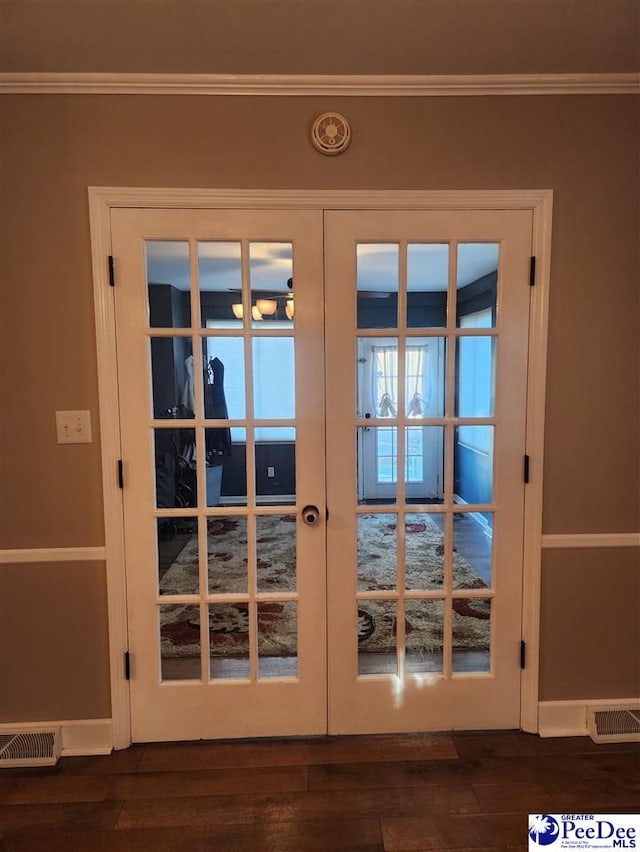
[103, 199]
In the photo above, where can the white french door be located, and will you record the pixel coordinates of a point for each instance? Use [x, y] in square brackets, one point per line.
[222, 426]
[322, 426]
[425, 587]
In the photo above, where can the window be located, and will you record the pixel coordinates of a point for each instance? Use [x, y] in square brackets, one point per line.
[475, 381]
[385, 381]
[273, 370]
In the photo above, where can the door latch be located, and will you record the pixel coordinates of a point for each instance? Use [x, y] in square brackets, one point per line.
[311, 515]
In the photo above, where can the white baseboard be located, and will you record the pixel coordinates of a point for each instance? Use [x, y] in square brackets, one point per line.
[80, 737]
[569, 718]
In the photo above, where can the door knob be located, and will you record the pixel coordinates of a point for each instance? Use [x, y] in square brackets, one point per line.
[311, 515]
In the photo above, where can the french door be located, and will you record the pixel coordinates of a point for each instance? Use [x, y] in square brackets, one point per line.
[272, 365]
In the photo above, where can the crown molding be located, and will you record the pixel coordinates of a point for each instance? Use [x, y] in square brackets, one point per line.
[306, 85]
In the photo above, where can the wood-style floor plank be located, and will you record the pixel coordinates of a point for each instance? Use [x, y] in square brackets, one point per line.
[253, 780]
[125, 760]
[536, 798]
[358, 776]
[343, 804]
[361, 835]
[415, 834]
[350, 749]
[55, 789]
[518, 744]
[59, 817]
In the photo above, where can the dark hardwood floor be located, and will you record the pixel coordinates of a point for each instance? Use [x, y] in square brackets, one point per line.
[374, 793]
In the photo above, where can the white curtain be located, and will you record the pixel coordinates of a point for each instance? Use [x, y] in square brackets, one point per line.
[385, 380]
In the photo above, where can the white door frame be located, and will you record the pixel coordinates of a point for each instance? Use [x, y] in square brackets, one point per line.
[103, 199]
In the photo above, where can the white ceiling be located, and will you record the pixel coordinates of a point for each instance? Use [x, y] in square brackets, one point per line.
[270, 265]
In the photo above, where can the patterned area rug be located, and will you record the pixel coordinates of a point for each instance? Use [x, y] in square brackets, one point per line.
[376, 570]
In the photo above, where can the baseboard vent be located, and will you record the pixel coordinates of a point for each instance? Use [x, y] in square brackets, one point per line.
[614, 724]
[30, 748]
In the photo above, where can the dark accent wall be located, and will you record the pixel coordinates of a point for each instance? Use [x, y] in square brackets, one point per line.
[424, 310]
[472, 474]
[280, 456]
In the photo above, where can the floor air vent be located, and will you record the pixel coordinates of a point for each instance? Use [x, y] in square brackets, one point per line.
[614, 725]
[30, 748]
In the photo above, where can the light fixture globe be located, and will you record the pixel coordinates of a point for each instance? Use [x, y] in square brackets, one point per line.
[267, 307]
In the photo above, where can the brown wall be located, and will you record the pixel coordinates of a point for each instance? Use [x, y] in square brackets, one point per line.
[54, 652]
[584, 148]
[322, 36]
[590, 631]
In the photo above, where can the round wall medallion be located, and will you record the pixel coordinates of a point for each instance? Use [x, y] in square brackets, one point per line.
[331, 133]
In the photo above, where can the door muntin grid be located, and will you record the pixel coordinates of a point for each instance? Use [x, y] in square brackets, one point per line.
[214, 453]
[435, 618]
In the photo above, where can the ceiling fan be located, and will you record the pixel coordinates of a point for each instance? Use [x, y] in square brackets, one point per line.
[267, 304]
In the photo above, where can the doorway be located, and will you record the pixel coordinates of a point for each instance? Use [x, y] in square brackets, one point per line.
[381, 614]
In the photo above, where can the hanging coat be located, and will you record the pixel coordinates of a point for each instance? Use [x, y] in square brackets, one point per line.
[218, 439]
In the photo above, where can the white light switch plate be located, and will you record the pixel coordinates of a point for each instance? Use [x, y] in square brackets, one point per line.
[73, 427]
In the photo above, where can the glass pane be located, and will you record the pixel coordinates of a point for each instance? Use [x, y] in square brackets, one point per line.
[220, 284]
[424, 631]
[377, 464]
[177, 556]
[477, 285]
[427, 280]
[179, 641]
[377, 267]
[474, 376]
[424, 550]
[471, 634]
[386, 454]
[172, 377]
[271, 279]
[424, 377]
[424, 464]
[277, 639]
[473, 463]
[226, 472]
[175, 466]
[377, 377]
[276, 553]
[472, 543]
[168, 280]
[273, 378]
[227, 554]
[224, 379]
[275, 459]
[377, 637]
[377, 548]
[229, 640]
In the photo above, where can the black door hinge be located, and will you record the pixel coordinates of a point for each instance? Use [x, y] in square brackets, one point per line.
[112, 271]
[526, 469]
[523, 653]
[127, 665]
[532, 272]
[120, 474]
